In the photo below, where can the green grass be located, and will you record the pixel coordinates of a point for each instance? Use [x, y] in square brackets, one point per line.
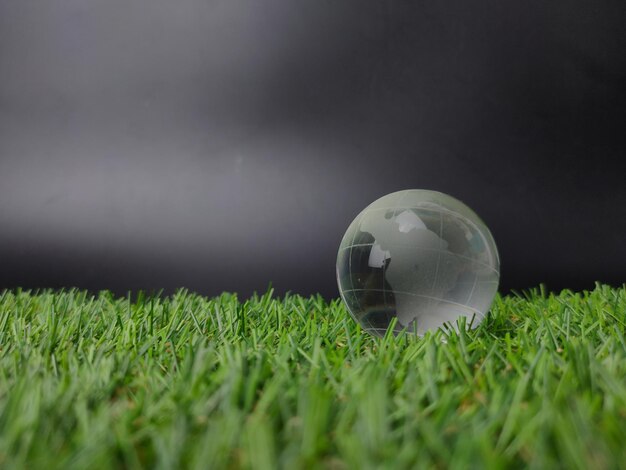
[187, 381]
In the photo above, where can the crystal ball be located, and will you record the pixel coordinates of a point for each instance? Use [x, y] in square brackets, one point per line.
[422, 257]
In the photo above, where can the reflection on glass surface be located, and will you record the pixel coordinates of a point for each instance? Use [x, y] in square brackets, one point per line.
[420, 256]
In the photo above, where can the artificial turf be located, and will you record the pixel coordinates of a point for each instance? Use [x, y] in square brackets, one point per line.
[188, 381]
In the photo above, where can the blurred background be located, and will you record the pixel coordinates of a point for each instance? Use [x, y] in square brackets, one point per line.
[223, 144]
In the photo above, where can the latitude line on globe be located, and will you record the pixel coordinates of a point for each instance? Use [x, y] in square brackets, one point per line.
[477, 312]
[426, 249]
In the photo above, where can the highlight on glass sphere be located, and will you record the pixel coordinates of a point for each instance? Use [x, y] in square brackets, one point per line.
[420, 256]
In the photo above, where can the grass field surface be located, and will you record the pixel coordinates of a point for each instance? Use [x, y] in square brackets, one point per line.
[193, 382]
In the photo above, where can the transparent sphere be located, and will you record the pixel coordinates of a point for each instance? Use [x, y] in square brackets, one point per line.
[420, 256]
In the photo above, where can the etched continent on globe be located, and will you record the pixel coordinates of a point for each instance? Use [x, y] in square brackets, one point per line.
[420, 256]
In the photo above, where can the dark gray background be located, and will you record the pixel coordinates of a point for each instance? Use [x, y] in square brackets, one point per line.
[221, 145]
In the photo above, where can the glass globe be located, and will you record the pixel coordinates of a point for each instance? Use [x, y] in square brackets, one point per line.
[420, 256]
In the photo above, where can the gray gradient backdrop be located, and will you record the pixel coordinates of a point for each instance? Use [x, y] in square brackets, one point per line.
[221, 145]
